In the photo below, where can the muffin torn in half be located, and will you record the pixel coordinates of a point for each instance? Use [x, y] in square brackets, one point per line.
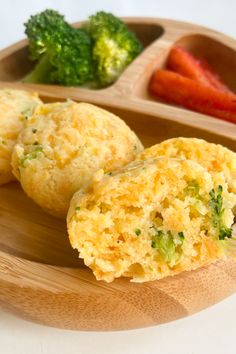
[152, 219]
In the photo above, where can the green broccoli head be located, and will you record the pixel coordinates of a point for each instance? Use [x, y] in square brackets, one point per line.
[40, 29]
[95, 55]
[71, 58]
[64, 52]
[114, 46]
[216, 204]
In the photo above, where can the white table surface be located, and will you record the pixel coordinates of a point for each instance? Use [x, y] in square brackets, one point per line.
[209, 332]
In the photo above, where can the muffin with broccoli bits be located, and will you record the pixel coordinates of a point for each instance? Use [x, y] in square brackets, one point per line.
[216, 158]
[152, 219]
[63, 145]
[15, 107]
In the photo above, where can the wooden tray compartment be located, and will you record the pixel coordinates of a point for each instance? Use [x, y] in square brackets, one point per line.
[41, 278]
[15, 63]
[221, 58]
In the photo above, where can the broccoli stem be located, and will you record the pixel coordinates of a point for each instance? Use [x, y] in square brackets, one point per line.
[41, 73]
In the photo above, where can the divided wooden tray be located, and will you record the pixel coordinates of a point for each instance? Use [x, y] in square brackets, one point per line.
[41, 278]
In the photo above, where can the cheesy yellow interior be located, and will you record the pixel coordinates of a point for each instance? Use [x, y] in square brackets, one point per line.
[147, 221]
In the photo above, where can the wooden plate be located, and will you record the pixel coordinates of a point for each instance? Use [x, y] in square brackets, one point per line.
[41, 278]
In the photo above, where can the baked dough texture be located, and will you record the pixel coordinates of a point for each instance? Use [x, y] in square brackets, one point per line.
[15, 107]
[63, 145]
[214, 157]
[153, 218]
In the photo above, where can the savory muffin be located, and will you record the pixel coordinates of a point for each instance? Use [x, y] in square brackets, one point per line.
[152, 219]
[214, 157]
[15, 108]
[61, 147]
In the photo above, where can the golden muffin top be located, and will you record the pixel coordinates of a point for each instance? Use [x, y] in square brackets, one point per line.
[214, 157]
[63, 145]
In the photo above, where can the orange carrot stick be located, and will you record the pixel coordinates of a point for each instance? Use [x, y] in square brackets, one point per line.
[213, 78]
[184, 63]
[183, 91]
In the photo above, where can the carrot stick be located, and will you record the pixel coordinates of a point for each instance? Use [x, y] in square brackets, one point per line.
[184, 63]
[213, 78]
[183, 91]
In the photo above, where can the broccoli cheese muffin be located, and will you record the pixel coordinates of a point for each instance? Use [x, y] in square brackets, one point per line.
[152, 219]
[63, 145]
[15, 107]
[214, 157]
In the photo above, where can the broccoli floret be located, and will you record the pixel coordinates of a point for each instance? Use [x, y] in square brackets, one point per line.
[94, 55]
[167, 244]
[41, 28]
[114, 46]
[192, 189]
[64, 53]
[216, 204]
[33, 154]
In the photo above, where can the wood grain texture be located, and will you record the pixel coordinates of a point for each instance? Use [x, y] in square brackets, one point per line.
[41, 277]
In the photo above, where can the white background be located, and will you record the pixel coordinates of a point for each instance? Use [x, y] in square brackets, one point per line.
[209, 332]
